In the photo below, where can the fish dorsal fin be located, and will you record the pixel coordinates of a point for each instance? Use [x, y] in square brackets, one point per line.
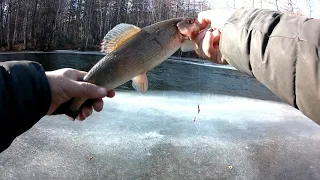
[118, 36]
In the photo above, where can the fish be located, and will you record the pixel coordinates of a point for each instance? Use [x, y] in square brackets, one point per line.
[131, 51]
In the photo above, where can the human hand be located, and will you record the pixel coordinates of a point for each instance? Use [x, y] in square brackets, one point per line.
[67, 83]
[207, 41]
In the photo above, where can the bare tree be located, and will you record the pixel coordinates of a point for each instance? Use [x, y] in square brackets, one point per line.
[275, 3]
[310, 6]
[231, 4]
[81, 24]
[291, 6]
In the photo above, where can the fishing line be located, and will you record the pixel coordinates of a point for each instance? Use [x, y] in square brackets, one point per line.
[199, 82]
[196, 119]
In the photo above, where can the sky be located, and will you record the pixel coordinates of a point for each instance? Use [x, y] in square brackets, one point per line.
[315, 9]
[216, 4]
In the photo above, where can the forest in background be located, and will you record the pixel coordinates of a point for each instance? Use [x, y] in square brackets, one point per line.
[81, 24]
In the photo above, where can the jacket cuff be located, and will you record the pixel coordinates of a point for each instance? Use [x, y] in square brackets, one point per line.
[31, 88]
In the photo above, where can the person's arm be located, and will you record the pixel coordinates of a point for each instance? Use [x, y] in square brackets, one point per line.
[280, 50]
[28, 93]
[25, 98]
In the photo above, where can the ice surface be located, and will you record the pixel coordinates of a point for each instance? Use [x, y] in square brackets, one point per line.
[153, 136]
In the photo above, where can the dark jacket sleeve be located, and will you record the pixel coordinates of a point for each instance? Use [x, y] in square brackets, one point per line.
[25, 98]
[280, 50]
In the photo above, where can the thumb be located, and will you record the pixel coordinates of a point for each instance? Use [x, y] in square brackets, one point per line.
[87, 90]
[216, 35]
[207, 44]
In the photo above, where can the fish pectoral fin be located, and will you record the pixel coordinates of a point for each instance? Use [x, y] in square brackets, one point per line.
[118, 36]
[140, 83]
[187, 46]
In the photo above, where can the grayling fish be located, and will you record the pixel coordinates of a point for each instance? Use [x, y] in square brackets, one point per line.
[132, 51]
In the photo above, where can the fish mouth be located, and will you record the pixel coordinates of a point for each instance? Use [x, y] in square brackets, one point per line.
[184, 36]
[187, 27]
[184, 33]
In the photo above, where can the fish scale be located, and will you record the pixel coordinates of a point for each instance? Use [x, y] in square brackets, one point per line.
[131, 52]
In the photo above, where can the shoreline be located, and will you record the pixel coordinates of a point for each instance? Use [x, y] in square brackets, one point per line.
[174, 57]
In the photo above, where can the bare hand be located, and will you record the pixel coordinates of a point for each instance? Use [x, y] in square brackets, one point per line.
[67, 83]
[207, 45]
[207, 41]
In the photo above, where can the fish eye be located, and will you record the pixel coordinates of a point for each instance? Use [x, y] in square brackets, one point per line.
[189, 21]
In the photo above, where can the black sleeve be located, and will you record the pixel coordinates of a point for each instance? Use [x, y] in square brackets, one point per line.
[25, 98]
[280, 50]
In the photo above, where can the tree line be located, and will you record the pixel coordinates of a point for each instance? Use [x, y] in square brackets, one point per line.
[81, 24]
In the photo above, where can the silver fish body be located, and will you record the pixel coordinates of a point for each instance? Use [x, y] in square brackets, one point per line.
[152, 46]
[148, 48]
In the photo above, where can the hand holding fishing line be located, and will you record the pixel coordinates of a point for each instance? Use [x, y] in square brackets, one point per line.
[207, 41]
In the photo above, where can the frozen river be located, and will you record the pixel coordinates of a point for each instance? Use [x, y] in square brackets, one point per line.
[241, 132]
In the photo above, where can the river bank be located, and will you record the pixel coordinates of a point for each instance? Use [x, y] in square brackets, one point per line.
[97, 53]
